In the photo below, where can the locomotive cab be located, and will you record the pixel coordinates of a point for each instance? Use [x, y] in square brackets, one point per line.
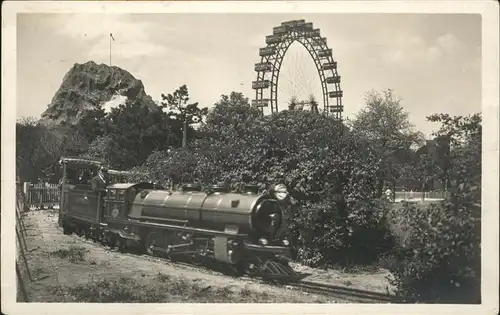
[119, 198]
[82, 210]
[118, 204]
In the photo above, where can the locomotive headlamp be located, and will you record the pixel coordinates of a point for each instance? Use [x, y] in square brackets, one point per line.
[263, 241]
[280, 192]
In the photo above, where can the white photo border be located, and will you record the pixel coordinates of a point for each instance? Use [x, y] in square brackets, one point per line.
[490, 179]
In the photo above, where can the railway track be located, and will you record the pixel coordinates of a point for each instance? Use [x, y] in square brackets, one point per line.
[342, 292]
[329, 290]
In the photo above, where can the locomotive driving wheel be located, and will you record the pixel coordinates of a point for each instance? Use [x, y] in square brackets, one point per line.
[111, 240]
[251, 268]
[237, 270]
[78, 231]
[120, 243]
[154, 239]
[67, 229]
[198, 259]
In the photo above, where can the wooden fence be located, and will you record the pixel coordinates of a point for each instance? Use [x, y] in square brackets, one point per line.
[42, 195]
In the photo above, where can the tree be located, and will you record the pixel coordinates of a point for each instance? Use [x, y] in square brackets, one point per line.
[427, 171]
[132, 133]
[188, 114]
[462, 147]
[293, 103]
[313, 103]
[75, 143]
[37, 150]
[92, 125]
[106, 149]
[385, 124]
[231, 116]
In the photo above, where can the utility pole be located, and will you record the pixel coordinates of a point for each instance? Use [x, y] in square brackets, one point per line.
[184, 123]
[184, 133]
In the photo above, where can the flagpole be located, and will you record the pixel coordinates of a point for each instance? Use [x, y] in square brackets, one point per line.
[110, 49]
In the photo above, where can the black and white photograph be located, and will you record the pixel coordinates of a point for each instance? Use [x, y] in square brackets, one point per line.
[297, 157]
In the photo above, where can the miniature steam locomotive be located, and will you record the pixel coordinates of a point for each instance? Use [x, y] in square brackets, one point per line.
[239, 231]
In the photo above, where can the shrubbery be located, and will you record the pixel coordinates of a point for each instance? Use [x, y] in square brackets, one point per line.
[440, 259]
[333, 232]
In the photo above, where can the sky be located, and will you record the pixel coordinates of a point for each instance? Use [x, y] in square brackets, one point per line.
[431, 61]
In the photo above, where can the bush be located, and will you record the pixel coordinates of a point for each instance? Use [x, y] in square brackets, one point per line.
[440, 259]
[332, 232]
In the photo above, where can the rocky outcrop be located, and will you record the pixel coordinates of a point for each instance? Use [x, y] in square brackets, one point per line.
[89, 86]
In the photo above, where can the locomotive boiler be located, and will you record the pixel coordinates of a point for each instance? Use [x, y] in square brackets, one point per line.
[240, 231]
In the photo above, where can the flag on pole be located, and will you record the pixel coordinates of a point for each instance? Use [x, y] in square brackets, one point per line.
[112, 36]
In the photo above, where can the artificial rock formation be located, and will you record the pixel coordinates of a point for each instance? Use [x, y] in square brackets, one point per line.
[90, 86]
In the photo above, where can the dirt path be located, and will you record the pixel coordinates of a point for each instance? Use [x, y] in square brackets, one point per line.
[69, 268]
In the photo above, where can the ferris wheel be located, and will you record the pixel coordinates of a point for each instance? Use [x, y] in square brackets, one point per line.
[269, 70]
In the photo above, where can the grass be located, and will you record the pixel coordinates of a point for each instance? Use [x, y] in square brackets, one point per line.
[356, 268]
[169, 289]
[75, 254]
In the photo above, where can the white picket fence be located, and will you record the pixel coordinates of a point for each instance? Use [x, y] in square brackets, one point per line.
[42, 195]
[419, 195]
